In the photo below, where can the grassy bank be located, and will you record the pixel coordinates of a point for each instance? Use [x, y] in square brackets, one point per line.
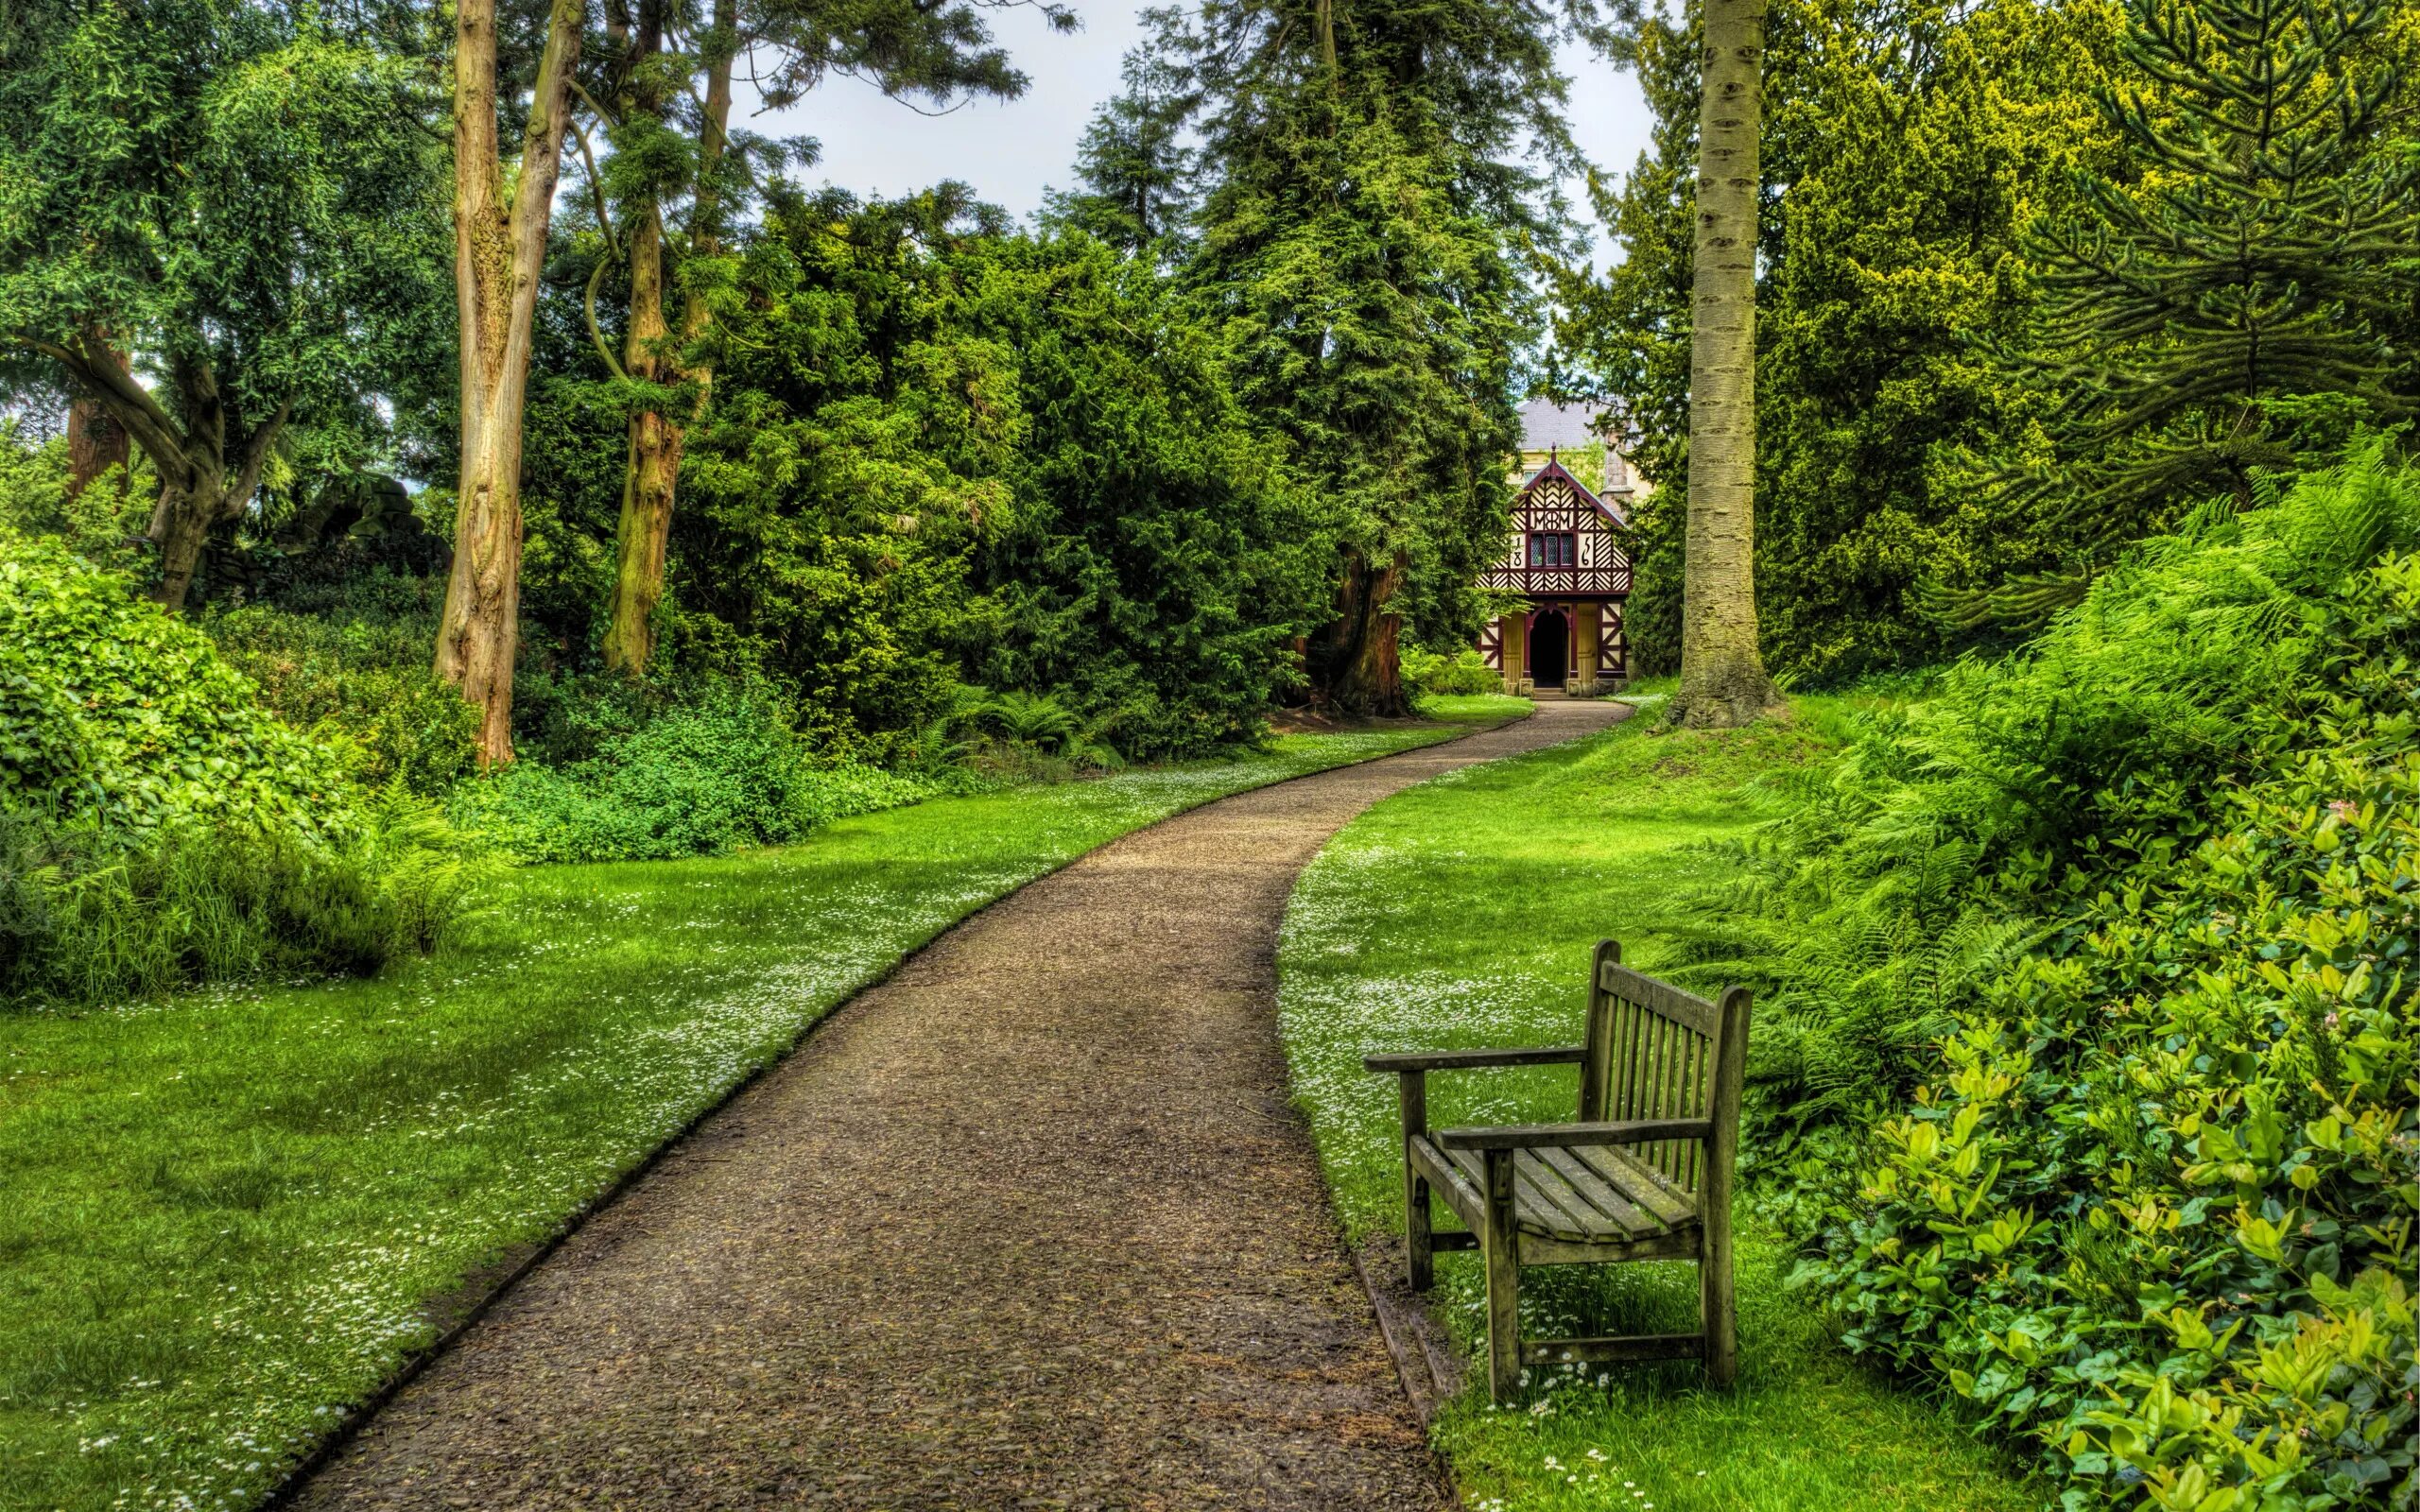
[222, 1217]
[1461, 913]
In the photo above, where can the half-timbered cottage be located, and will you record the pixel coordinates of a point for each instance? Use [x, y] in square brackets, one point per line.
[1564, 558]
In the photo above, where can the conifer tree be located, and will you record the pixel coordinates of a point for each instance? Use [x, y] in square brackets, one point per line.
[1134, 167]
[2230, 305]
[1377, 183]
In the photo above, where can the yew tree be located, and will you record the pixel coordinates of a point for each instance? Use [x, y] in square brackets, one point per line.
[676, 176]
[1379, 175]
[215, 216]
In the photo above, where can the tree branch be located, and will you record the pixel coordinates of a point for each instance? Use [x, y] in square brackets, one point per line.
[255, 458]
[126, 400]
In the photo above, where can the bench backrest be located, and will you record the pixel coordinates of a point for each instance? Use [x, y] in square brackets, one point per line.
[1654, 1050]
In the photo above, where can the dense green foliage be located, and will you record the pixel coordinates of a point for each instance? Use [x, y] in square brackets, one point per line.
[159, 827]
[1374, 187]
[2153, 881]
[715, 774]
[943, 451]
[118, 712]
[2232, 301]
[1973, 196]
[236, 196]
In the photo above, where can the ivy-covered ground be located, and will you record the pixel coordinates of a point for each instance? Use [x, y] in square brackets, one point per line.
[222, 1215]
[1461, 913]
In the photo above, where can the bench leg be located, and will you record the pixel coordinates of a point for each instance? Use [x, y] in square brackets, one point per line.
[1718, 1308]
[1423, 1270]
[1502, 1249]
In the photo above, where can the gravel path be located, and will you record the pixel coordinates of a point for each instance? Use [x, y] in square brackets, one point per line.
[1033, 1225]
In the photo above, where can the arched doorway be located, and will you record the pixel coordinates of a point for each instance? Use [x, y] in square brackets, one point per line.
[1549, 648]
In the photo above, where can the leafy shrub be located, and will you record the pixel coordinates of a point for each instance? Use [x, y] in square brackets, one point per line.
[2157, 883]
[715, 774]
[1425, 671]
[159, 829]
[119, 713]
[355, 674]
[103, 524]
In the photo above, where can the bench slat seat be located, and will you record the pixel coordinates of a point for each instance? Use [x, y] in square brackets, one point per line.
[1642, 1172]
[1559, 1195]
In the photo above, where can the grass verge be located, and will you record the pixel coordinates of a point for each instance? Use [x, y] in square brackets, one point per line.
[222, 1216]
[1461, 913]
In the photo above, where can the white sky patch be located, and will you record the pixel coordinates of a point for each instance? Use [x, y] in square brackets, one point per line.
[1010, 151]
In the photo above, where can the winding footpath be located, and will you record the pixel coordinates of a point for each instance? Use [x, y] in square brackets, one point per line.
[1032, 1225]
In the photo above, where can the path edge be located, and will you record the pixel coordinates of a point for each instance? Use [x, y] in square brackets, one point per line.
[461, 1309]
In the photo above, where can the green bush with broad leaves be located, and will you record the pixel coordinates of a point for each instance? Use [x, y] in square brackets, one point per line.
[2109, 953]
[1427, 671]
[116, 712]
[722, 772]
[160, 828]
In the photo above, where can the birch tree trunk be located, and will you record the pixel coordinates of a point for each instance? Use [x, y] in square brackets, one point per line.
[499, 251]
[1722, 673]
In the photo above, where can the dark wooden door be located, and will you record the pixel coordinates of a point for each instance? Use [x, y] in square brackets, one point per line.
[1549, 649]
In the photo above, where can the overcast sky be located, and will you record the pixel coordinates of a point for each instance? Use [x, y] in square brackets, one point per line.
[1010, 153]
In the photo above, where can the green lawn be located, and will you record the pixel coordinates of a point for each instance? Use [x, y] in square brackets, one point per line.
[222, 1215]
[1461, 913]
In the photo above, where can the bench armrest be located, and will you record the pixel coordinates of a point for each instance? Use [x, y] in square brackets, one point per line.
[1533, 1136]
[1471, 1059]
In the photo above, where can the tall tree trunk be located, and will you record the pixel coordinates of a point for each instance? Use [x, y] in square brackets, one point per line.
[1363, 668]
[1723, 674]
[654, 465]
[651, 480]
[499, 251]
[95, 441]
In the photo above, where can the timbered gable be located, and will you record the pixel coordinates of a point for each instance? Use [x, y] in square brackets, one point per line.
[1564, 539]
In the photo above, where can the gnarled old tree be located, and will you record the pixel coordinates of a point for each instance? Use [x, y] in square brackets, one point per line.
[500, 224]
[226, 194]
[671, 145]
[1722, 673]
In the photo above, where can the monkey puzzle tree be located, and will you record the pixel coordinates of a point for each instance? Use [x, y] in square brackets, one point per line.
[227, 194]
[2239, 299]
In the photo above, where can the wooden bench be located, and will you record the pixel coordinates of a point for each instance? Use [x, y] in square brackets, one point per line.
[1643, 1174]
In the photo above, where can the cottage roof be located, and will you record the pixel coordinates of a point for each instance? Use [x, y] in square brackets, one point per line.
[1545, 425]
[1610, 507]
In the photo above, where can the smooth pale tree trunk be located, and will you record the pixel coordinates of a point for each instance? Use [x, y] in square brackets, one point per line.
[1723, 674]
[651, 483]
[499, 251]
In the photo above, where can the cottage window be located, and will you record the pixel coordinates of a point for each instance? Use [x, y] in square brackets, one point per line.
[1551, 548]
